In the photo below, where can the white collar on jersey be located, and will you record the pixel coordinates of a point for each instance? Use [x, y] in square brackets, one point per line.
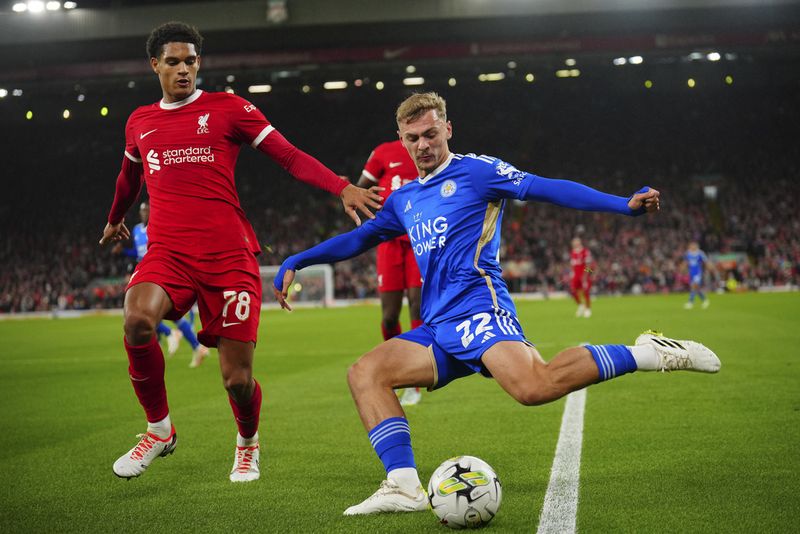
[438, 169]
[180, 103]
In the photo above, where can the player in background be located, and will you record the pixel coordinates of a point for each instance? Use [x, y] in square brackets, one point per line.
[453, 216]
[696, 260]
[390, 167]
[201, 246]
[185, 324]
[582, 264]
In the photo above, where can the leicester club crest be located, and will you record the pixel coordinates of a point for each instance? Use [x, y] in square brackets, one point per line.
[448, 188]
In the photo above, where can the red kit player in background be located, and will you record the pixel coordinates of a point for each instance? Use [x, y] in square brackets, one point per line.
[201, 246]
[390, 167]
[582, 266]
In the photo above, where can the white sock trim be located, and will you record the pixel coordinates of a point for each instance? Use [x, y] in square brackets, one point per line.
[161, 428]
[646, 357]
[407, 478]
[246, 442]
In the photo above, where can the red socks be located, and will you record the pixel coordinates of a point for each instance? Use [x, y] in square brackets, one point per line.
[146, 370]
[389, 334]
[247, 415]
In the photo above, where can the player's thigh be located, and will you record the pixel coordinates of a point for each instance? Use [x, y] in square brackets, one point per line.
[516, 366]
[147, 299]
[395, 363]
[159, 287]
[229, 298]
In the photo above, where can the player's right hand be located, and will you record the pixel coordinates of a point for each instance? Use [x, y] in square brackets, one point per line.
[282, 294]
[357, 198]
[115, 232]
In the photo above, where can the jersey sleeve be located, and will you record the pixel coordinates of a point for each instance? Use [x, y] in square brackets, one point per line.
[131, 149]
[383, 227]
[373, 168]
[495, 179]
[249, 125]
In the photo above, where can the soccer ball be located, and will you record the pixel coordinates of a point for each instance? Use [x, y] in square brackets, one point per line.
[464, 492]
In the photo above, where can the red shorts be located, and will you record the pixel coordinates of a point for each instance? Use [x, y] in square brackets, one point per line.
[227, 289]
[578, 283]
[397, 267]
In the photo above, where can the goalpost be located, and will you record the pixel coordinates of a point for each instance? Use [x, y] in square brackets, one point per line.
[313, 286]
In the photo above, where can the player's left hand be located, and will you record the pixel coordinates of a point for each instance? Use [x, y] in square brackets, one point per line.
[357, 198]
[113, 233]
[647, 200]
[283, 294]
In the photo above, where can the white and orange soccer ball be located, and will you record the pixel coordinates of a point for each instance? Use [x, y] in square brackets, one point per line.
[464, 492]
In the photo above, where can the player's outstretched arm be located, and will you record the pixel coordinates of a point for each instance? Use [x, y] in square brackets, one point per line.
[355, 199]
[582, 197]
[308, 169]
[129, 183]
[338, 248]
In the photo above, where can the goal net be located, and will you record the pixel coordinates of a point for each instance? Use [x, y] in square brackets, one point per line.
[313, 286]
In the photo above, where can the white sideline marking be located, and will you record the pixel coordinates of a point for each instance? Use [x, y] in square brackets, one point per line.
[560, 508]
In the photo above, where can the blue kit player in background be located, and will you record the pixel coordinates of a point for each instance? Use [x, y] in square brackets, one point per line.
[185, 324]
[696, 261]
[452, 215]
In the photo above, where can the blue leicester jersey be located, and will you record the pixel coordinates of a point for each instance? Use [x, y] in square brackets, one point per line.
[696, 261]
[139, 236]
[453, 218]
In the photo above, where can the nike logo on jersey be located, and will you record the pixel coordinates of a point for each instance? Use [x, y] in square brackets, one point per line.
[143, 135]
[393, 164]
[139, 379]
[224, 323]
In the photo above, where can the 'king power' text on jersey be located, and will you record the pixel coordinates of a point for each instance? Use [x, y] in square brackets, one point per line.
[453, 218]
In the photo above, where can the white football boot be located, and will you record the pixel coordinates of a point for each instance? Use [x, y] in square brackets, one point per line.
[706, 303]
[587, 313]
[390, 498]
[688, 306]
[134, 462]
[410, 397]
[198, 356]
[173, 341]
[580, 310]
[245, 464]
[678, 355]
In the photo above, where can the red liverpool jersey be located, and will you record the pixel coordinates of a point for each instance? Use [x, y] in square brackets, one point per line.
[189, 150]
[390, 167]
[581, 260]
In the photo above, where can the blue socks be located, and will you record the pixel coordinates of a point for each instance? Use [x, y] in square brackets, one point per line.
[188, 332]
[163, 330]
[391, 439]
[612, 360]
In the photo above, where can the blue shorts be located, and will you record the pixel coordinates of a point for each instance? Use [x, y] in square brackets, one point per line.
[458, 344]
[696, 278]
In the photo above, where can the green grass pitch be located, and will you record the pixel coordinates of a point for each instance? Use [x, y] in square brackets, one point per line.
[679, 452]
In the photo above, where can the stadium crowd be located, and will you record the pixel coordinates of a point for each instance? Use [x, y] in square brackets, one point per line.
[685, 144]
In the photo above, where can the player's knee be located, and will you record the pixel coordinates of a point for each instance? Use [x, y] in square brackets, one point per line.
[139, 327]
[390, 322]
[531, 398]
[240, 387]
[538, 393]
[362, 375]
